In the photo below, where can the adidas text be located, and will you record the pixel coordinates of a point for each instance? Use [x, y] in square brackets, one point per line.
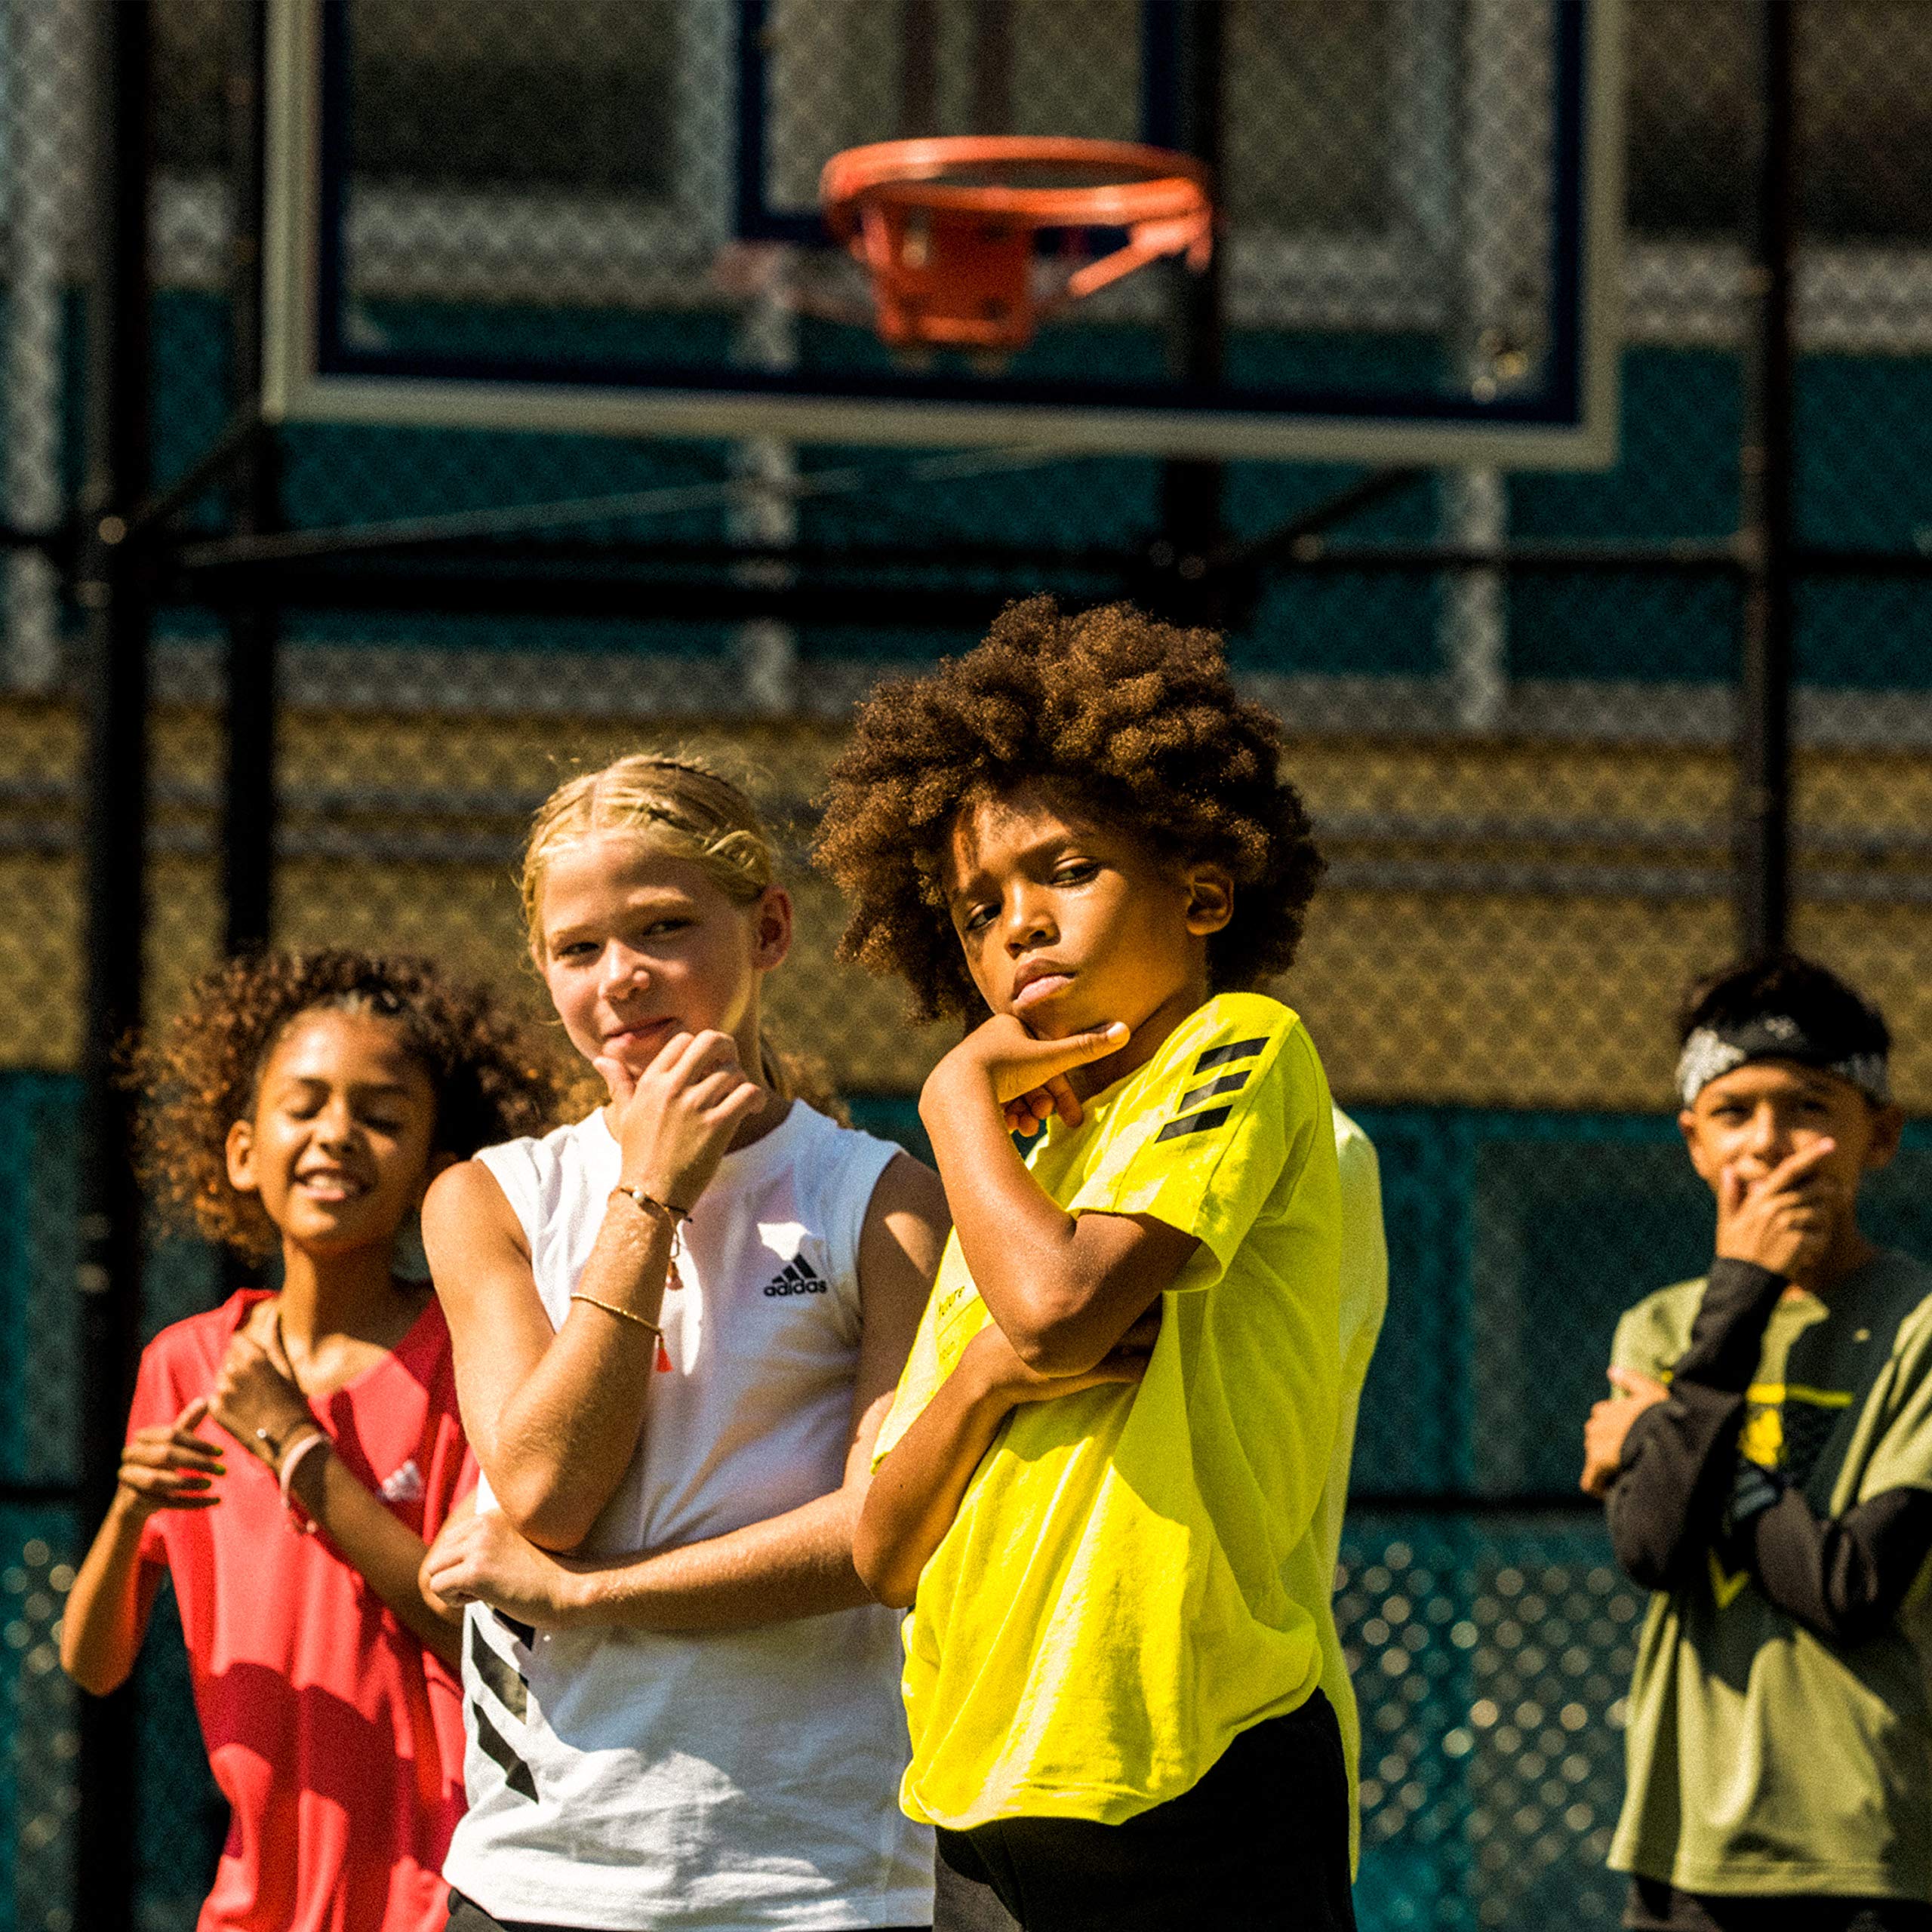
[800, 1277]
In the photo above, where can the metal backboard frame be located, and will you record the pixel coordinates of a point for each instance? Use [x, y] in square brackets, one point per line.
[315, 369]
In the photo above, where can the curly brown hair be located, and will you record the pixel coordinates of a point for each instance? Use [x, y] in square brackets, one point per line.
[199, 1074]
[1133, 719]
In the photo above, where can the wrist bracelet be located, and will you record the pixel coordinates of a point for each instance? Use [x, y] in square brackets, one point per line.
[284, 1476]
[622, 1314]
[648, 1201]
[272, 1444]
[676, 1216]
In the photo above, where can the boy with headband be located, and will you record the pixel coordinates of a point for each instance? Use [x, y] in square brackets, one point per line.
[1767, 1464]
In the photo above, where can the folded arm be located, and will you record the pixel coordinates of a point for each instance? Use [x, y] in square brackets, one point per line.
[1843, 1578]
[1064, 1288]
[798, 1563]
[554, 1415]
[1666, 1505]
[917, 1490]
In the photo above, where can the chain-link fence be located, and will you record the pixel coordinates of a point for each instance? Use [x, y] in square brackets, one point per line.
[1511, 700]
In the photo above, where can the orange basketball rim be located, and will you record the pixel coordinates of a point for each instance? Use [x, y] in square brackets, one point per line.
[946, 226]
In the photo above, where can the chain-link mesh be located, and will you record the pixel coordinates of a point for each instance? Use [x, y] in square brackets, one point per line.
[1521, 765]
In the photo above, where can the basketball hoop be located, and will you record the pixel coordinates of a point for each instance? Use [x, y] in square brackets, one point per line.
[946, 227]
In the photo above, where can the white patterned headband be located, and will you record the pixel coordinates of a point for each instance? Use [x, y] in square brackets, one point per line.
[1711, 1052]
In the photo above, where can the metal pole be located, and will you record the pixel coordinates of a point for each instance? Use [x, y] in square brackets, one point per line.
[1764, 536]
[1191, 492]
[254, 628]
[114, 591]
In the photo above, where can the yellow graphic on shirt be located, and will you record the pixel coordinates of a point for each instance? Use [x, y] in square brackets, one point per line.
[1762, 1439]
[1725, 1584]
[1786, 1428]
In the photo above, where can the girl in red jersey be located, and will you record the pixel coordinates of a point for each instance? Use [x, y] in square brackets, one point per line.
[302, 1103]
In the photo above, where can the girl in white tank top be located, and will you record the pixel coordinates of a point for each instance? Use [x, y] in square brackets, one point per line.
[678, 1326]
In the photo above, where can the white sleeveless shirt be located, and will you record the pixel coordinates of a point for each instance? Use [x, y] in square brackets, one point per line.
[730, 1779]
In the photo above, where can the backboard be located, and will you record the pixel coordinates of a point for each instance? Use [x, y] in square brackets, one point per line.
[601, 215]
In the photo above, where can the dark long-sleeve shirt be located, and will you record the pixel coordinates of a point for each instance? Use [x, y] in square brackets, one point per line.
[1843, 1578]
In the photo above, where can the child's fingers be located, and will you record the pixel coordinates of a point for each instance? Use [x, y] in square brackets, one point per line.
[1795, 1169]
[1030, 1112]
[191, 1417]
[686, 1058]
[168, 1488]
[617, 1077]
[275, 1357]
[1060, 1056]
[1730, 1191]
[182, 1456]
[153, 1478]
[161, 1448]
[724, 1089]
[1633, 1381]
[447, 1573]
[1064, 1101]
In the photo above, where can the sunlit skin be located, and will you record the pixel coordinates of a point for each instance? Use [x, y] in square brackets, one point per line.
[1090, 950]
[1070, 927]
[338, 1147]
[657, 975]
[637, 946]
[1783, 1149]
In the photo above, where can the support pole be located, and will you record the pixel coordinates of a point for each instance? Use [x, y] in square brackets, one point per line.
[1764, 536]
[254, 628]
[114, 591]
[1192, 491]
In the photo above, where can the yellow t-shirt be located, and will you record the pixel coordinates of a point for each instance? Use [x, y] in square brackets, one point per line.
[1364, 1303]
[1137, 1575]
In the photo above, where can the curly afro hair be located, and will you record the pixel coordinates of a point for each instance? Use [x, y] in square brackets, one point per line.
[1131, 719]
[199, 1074]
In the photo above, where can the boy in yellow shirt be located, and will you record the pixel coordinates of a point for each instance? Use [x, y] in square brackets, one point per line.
[1101, 1487]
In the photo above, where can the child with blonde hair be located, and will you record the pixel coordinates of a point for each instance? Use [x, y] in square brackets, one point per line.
[678, 1324]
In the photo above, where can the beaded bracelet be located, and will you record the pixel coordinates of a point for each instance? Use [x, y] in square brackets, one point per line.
[632, 1193]
[672, 1213]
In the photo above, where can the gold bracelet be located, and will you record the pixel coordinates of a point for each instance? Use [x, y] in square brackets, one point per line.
[622, 1314]
[648, 1201]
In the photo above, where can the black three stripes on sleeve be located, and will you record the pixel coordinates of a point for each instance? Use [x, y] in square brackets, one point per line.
[1208, 1118]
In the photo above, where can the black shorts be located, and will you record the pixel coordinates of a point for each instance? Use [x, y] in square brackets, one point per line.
[1260, 1844]
[1655, 1906]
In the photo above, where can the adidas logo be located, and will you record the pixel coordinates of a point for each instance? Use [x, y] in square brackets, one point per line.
[404, 1486]
[799, 1277]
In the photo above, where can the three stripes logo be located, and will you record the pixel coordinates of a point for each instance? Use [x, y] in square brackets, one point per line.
[1192, 1116]
[797, 1277]
[507, 1684]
